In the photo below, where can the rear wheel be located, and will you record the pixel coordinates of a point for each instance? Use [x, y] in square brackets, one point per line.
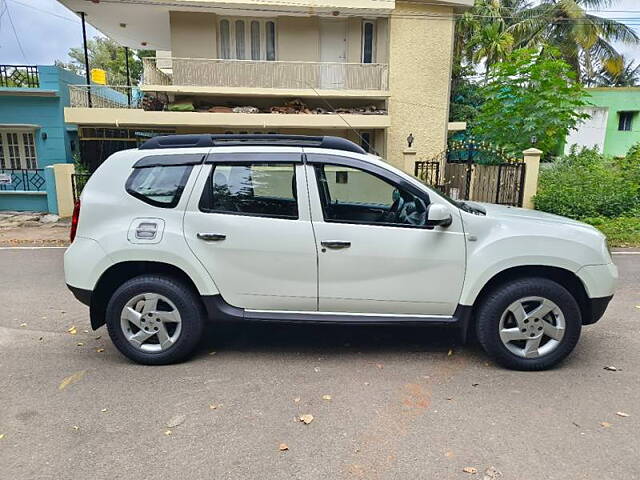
[155, 319]
[529, 324]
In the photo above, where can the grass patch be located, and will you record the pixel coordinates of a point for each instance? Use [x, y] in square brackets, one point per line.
[620, 231]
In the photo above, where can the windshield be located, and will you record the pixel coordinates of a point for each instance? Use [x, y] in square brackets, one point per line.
[457, 203]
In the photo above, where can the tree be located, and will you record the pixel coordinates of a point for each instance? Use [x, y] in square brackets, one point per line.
[532, 94]
[585, 41]
[106, 54]
[465, 95]
[617, 72]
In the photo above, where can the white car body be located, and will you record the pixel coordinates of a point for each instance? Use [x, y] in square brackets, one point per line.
[270, 267]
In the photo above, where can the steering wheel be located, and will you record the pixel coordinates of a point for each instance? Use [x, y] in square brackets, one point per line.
[392, 215]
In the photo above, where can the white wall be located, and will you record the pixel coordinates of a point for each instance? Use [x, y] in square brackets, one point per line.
[590, 133]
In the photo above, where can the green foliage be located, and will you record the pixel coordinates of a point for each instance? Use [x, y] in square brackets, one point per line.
[465, 96]
[620, 232]
[109, 56]
[587, 184]
[532, 94]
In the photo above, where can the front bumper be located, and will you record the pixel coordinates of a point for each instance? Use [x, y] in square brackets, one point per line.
[82, 295]
[595, 309]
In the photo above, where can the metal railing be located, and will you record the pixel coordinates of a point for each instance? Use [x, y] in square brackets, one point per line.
[19, 76]
[105, 96]
[22, 180]
[208, 72]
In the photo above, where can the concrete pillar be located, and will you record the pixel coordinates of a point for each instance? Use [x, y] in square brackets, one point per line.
[64, 190]
[409, 160]
[530, 188]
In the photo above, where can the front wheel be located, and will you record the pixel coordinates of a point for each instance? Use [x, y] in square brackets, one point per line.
[529, 324]
[155, 319]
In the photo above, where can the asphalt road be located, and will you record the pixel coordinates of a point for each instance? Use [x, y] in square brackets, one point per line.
[400, 406]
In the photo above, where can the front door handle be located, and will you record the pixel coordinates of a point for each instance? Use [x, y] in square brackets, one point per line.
[335, 244]
[211, 237]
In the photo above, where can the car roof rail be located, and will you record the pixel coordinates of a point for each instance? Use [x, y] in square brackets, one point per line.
[269, 139]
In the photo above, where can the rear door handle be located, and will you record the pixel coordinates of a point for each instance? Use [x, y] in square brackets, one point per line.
[211, 237]
[335, 244]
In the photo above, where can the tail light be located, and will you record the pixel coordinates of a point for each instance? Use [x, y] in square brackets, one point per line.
[74, 221]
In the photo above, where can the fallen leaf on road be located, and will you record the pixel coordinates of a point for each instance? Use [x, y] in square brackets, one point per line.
[367, 384]
[297, 399]
[611, 368]
[306, 419]
[450, 352]
[283, 447]
[1, 436]
[72, 330]
[103, 410]
[76, 428]
[212, 353]
[98, 337]
[176, 420]
[41, 339]
[491, 473]
[448, 454]
[622, 414]
[326, 397]
[71, 379]
[475, 384]
[167, 432]
[471, 470]
[316, 369]
[86, 331]
[100, 350]
[605, 424]
[215, 406]
[380, 366]
[80, 344]
[23, 325]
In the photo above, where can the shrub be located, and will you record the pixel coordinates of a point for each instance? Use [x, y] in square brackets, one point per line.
[588, 184]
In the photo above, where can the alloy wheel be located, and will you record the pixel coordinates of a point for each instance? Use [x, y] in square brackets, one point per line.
[151, 322]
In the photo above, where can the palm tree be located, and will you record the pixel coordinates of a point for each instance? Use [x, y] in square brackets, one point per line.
[617, 72]
[584, 40]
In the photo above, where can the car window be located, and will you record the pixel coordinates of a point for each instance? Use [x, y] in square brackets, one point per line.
[261, 189]
[351, 195]
[161, 186]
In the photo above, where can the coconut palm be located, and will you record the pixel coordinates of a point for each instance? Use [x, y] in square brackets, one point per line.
[617, 72]
[584, 40]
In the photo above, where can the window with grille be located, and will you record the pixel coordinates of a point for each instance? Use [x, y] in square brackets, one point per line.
[626, 121]
[247, 39]
[368, 41]
[18, 150]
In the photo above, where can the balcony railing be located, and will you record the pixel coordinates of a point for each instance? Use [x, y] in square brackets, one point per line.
[19, 76]
[23, 180]
[204, 72]
[105, 96]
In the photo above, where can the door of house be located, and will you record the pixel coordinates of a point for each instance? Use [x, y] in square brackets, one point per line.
[333, 53]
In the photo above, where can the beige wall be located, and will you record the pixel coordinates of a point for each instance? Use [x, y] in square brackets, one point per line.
[420, 52]
[193, 34]
[298, 39]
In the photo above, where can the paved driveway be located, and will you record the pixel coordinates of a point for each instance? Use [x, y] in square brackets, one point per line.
[401, 406]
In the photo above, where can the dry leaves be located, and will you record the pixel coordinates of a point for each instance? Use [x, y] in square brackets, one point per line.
[306, 419]
[23, 325]
[611, 368]
[215, 406]
[283, 447]
[491, 473]
[168, 432]
[297, 399]
[76, 427]
[80, 344]
[176, 420]
[471, 470]
[72, 330]
[1, 436]
[622, 414]
[71, 379]
[326, 397]
[103, 410]
[450, 352]
[100, 350]
[605, 424]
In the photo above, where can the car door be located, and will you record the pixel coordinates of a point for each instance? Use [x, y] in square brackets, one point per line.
[248, 222]
[376, 255]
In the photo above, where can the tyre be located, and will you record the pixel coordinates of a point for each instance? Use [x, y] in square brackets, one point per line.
[155, 320]
[529, 324]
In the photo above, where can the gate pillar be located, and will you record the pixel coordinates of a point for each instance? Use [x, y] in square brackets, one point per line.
[532, 169]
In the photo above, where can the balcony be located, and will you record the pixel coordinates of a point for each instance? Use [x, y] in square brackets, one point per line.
[218, 76]
[19, 76]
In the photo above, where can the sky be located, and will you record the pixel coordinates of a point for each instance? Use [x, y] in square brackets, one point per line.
[46, 30]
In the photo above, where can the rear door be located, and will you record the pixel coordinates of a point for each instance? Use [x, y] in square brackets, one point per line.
[248, 222]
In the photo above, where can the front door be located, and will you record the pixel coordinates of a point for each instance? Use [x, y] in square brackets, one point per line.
[250, 227]
[333, 53]
[375, 253]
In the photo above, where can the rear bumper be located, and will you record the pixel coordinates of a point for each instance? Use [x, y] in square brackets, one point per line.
[82, 295]
[596, 309]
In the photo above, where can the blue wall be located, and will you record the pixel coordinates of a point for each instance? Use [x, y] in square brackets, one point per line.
[21, 106]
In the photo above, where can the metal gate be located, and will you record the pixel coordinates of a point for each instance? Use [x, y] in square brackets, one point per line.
[475, 171]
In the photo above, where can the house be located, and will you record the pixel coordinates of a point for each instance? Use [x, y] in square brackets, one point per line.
[614, 123]
[373, 71]
[33, 133]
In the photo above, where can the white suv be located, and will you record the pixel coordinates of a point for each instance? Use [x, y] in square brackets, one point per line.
[277, 228]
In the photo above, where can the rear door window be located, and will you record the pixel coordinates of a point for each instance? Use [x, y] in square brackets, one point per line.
[160, 186]
[258, 189]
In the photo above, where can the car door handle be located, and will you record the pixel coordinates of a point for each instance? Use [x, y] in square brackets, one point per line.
[211, 237]
[335, 244]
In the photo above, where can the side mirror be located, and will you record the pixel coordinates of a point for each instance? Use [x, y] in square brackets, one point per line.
[438, 216]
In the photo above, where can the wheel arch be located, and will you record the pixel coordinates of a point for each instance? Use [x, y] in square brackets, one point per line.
[564, 277]
[119, 273]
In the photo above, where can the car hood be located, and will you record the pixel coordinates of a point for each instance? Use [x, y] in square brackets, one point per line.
[506, 212]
